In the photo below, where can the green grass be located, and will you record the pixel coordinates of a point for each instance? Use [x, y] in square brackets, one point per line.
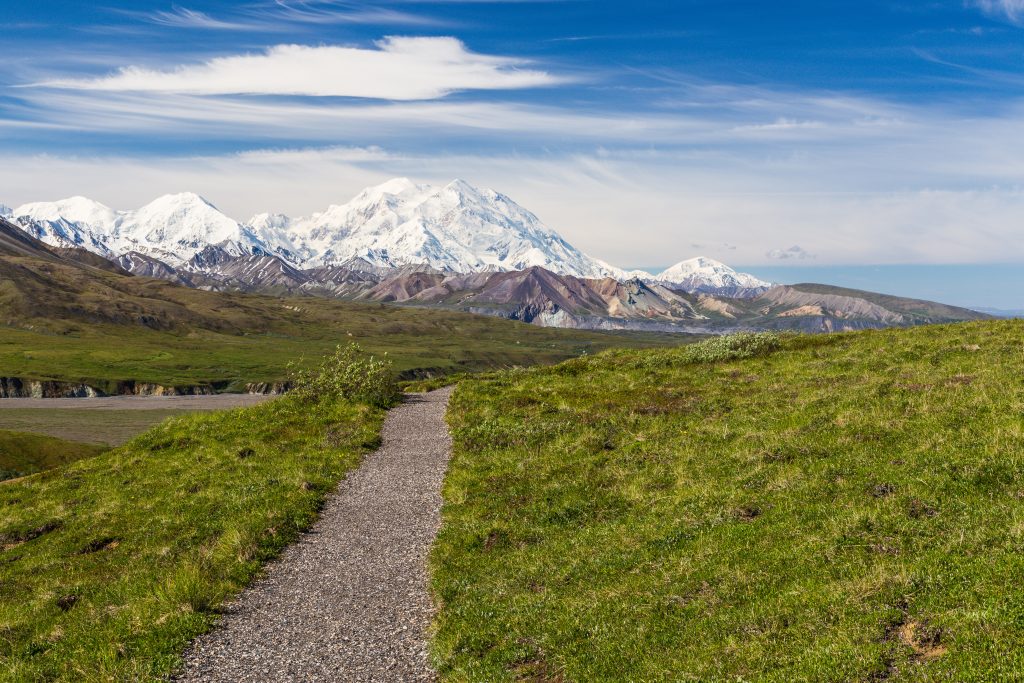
[839, 508]
[106, 427]
[435, 383]
[22, 454]
[418, 341]
[60, 321]
[111, 565]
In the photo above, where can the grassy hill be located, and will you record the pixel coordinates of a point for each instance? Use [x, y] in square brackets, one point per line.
[22, 453]
[826, 508]
[111, 565]
[62, 318]
[916, 311]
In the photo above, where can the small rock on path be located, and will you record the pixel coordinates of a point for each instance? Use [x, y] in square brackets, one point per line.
[349, 601]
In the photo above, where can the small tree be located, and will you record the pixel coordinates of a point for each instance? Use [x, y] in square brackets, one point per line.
[347, 374]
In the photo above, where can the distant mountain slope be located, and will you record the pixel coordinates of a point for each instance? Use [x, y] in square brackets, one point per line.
[539, 296]
[917, 311]
[15, 242]
[41, 287]
[542, 297]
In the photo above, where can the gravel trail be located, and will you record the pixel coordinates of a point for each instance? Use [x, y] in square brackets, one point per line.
[349, 600]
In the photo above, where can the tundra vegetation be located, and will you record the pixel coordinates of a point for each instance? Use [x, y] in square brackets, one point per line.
[226, 341]
[827, 508]
[109, 566]
[24, 453]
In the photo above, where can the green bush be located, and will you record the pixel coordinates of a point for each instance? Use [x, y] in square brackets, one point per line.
[716, 349]
[732, 346]
[347, 374]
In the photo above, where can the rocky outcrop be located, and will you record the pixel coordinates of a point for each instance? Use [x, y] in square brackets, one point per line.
[132, 388]
[15, 387]
[268, 388]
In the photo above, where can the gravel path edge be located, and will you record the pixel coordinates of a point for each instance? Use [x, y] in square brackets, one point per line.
[350, 600]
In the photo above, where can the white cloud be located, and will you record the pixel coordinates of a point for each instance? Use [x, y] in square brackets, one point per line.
[711, 119]
[397, 68]
[795, 252]
[779, 125]
[1011, 9]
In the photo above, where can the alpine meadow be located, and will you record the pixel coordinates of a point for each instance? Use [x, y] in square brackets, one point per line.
[481, 342]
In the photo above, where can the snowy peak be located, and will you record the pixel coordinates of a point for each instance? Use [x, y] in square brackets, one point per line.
[270, 221]
[702, 274]
[174, 227]
[180, 226]
[183, 202]
[72, 222]
[454, 228]
[79, 210]
[398, 187]
[185, 219]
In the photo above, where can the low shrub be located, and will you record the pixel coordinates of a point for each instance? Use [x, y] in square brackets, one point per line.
[732, 346]
[715, 349]
[347, 374]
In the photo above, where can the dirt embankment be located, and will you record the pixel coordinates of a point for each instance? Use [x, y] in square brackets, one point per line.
[17, 387]
[152, 402]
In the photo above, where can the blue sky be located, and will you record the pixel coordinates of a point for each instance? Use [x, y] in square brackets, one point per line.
[794, 133]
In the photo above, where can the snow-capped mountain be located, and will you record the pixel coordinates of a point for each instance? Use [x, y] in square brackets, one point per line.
[6, 211]
[173, 228]
[180, 226]
[705, 274]
[456, 228]
[71, 222]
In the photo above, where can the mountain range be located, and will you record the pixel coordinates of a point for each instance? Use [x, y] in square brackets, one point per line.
[454, 246]
[456, 228]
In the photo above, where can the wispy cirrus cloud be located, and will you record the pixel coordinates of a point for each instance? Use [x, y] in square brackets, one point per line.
[341, 12]
[182, 17]
[1009, 9]
[275, 15]
[396, 68]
